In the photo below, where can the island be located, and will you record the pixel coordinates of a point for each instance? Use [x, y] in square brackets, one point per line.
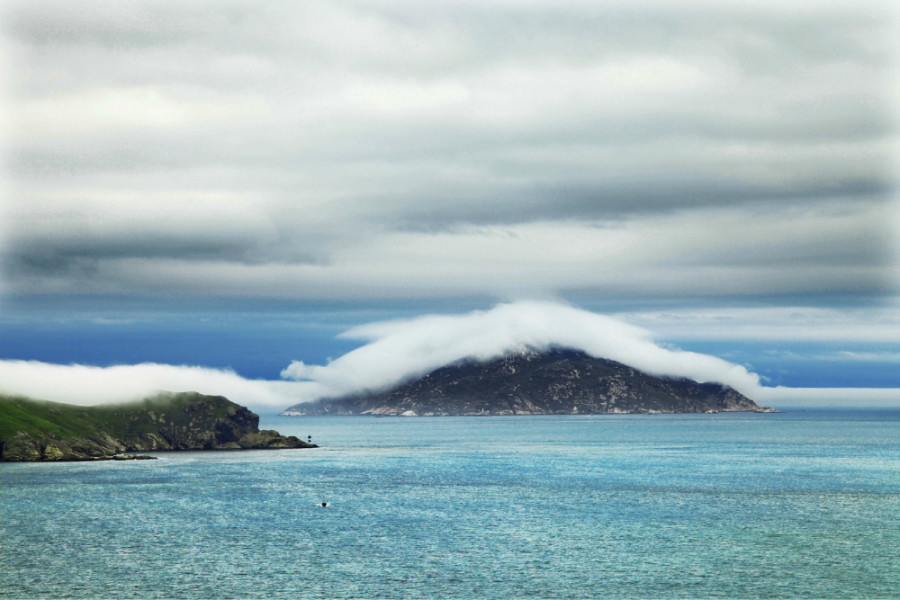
[35, 430]
[531, 382]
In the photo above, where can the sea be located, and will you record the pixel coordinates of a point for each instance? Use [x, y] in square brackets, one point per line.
[798, 504]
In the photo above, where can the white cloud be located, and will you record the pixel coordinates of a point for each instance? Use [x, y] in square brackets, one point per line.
[792, 398]
[124, 111]
[89, 385]
[242, 252]
[871, 324]
[878, 357]
[397, 350]
[401, 349]
[627, 149]
[326, 149]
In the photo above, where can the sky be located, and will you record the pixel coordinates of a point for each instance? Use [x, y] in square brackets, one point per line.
[234, 196]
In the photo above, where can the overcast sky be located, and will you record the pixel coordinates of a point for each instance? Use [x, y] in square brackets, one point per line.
[692, 164]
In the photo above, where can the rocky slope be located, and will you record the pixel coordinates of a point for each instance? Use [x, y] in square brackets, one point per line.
[32, 430]
[557, 381]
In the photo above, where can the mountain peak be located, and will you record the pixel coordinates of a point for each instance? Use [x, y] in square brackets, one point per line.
[556, 380]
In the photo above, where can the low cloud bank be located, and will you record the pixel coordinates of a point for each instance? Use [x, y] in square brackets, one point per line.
[786, 397]
[399, 350]
[88, 385]
[402, 349]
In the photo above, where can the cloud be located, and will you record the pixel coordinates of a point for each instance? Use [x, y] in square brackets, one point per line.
[792, 398]
[876, 357]
[89, 385]
[224, 148]
[401, 349]
[869, 324]
[683, 154]
[398, 350]
[773, 250]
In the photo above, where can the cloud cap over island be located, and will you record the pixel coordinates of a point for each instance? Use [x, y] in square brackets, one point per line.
[398, 350]
[401, 349]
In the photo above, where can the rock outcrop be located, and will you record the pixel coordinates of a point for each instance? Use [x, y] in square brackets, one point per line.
[33, 430]
[557, 381]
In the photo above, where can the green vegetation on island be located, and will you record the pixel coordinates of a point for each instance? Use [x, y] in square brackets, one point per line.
[36, 430]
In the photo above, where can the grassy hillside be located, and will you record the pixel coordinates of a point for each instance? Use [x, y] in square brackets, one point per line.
[41, 418]
[38, 430]
[38, 417]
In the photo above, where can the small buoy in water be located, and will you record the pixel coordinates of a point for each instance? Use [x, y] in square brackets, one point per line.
[324, 504]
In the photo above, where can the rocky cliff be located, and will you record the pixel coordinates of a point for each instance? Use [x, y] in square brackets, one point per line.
[557, 381]
[32, 430]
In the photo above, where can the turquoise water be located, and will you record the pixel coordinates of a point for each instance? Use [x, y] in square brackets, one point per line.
[803, 505]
